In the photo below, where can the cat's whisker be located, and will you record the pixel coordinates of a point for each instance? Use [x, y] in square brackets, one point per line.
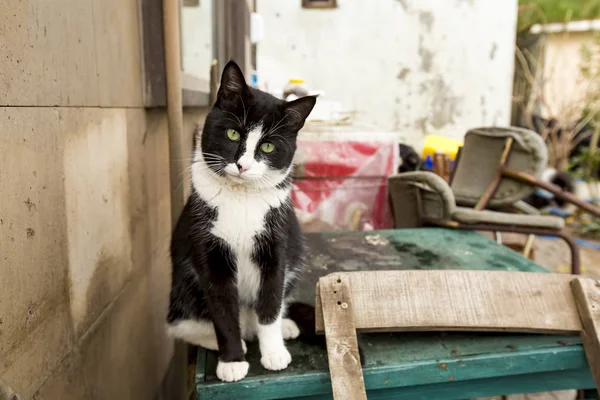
[212, 155]
[235, 122]
[183, 159]
[286, 141]
[235, 116]
[244, 109]
[186, 170]
[278, 128]
[273, 128]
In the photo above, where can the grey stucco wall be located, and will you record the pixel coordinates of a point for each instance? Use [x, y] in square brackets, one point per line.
[84, 205]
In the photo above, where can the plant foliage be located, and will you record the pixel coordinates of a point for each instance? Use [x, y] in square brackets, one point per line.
[533, 12]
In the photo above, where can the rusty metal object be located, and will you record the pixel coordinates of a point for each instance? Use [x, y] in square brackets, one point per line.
[555, 190]
[575, 256]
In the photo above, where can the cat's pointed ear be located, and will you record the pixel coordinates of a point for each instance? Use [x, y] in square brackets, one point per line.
[298, 110]
[233, 82]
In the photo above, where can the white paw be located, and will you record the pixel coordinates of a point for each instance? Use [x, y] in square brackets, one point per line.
[289, 329]
[232, 371]
[276, 360]
[244, 346]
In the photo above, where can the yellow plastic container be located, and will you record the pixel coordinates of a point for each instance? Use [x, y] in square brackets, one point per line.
[439, 144]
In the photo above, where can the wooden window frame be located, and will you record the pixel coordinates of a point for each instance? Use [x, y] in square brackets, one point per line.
[195, 91]
[231, 31]
[319, 4]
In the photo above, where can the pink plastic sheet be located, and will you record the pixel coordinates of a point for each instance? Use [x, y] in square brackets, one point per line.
[343, 183]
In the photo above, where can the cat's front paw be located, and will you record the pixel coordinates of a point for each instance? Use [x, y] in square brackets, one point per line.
[289, 329]
[232, 371]
[276, 360]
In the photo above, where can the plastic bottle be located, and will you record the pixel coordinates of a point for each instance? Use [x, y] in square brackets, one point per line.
[294, 89]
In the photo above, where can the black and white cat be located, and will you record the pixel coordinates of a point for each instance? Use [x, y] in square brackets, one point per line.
[237, 248]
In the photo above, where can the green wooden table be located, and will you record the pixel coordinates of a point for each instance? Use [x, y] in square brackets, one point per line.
[413, 365]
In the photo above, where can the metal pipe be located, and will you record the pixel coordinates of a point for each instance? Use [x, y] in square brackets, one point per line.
[555, 190]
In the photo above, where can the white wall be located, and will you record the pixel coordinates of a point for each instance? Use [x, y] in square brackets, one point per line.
[565, 88]
[411, 66]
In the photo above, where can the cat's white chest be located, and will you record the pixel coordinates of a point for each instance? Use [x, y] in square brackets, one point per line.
[240, 218]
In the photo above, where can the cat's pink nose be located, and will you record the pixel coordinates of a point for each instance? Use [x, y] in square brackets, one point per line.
[242, 168]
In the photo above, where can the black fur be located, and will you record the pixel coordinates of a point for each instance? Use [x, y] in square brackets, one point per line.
[410, 159]
[561, 179]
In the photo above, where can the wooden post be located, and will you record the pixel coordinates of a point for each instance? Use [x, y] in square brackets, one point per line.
[491, 189]
[171, 13]
[587, 298]
[528, 246]
[455, 167]
[214, 82]
[441, 165]
[340, 333]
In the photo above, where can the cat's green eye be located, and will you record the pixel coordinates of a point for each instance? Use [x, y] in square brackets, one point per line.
[267, 147]
[232, 134]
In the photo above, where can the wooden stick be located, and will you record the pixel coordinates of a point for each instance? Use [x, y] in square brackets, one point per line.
[528, 246]
[441, 165]
[456, 162]
[214, 82]
[587, 298]
[555, 190]
[491, 189]
[340, 334]
[498, 237]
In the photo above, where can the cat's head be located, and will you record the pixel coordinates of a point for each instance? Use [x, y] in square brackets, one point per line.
[249, 137]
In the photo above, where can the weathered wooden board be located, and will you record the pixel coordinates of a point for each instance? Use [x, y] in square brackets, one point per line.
[587, 299]
[340, 333]
[460, 300]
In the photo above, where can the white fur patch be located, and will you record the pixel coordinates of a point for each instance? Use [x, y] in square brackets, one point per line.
[198, 332]
[201, 333]
[289, 329]
[247, 159]
[232, 371]
[248, 323]
[274, 355]
[548, 174]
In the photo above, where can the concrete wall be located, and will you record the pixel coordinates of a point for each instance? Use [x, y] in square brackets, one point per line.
[410, 66]
[84, 205]
[564, 86]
